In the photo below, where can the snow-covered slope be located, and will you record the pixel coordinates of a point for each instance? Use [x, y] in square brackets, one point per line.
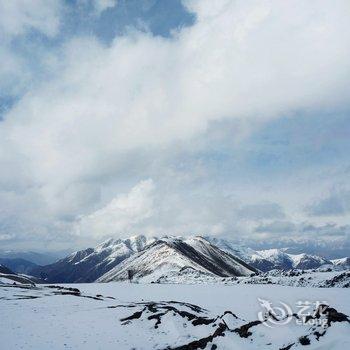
[270, 259]
[89, 264]
[169, 257]
[126, 316]
[172, 256]
[15, 279]
[307, 261]
[284, 261]
[320, 278]
[344, 262]
[9, 277]
[250, 256]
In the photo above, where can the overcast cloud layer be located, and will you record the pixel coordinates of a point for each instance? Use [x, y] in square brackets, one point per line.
[230, 118]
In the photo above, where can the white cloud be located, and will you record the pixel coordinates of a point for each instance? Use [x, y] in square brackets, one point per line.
[18, 16]
[279, 231]
[17, 19]
[261, 211]
[336, 203]
[277, 227]
[5, 237]
[13, 74]
[102, 5]
[145, 90]
[121, 214]
[244, 61]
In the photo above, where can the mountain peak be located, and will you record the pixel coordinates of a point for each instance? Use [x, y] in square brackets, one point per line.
[171, 256]
[153, 258]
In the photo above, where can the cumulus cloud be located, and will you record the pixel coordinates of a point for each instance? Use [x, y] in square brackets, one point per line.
[247, 62]
[327, 230]
[5, 237]
[18, 16]
[102, 5]
[337, 203]
[121, 214]
[276, 227]
[287, 231]
[153, 210]
[261, 211]
[20, 20]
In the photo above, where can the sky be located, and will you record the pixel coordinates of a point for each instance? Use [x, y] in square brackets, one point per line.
[168, 117]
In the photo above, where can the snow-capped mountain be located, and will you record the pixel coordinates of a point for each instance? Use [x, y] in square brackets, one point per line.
[343, 263]
[175, 256]
[270, 259]
[8, 276]
[248, 255]
[285, 261]
[89, 264]
[170, 257]
[307, 261]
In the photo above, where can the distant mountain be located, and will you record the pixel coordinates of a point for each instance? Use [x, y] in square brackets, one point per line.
[344, 262]
[168, 258]
[33, 257]
[171, 255]
[285, 261]
[248, 255]
[9, 277]
[313, 247]
[5, 270]
[89, 264]
[269, 259]
[308, 261]
[18, 265]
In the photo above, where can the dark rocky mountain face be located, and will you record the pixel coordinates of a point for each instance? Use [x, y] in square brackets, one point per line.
[227, 263]
[217, 257]
[263, 265]
[40, 259]
[5, 270]
[272, 259]
[175, 257]
[70, 270]
[18, 265]
[284, 263]
[343, 262]
[89, 264]
[308, 262]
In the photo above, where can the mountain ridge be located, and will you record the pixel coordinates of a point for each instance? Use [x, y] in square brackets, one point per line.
[91, 264]
[172, 255]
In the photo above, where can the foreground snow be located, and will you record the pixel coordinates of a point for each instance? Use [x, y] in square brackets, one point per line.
[154, 316]
[293, 278]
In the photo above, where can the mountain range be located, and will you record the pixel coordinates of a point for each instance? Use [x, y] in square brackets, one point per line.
[38, 258]
[18, 265]
[89, 264]
[171, 255]
[269, 259]
[153, 259]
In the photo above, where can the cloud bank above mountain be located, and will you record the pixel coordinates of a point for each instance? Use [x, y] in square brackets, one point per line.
[89, 120]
